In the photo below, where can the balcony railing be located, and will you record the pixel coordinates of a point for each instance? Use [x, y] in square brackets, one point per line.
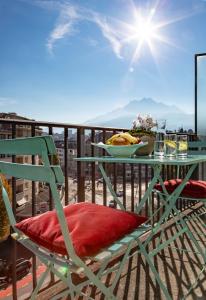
[82, 181]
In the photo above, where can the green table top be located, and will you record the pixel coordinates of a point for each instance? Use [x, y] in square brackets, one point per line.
[149, 160]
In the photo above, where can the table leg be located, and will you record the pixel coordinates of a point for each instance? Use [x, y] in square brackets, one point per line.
[157, 171]
[170, 201]
[109, 185]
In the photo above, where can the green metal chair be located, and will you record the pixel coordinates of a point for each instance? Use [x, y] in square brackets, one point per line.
[66, 267]
[195, 148]
[198, 212]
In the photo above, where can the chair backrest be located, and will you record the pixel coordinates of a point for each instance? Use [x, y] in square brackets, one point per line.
[42, 146]
[197, 147]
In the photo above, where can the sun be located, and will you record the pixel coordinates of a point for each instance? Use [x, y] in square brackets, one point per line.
[144, 30]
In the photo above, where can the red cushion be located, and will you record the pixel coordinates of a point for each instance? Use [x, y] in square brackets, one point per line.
[192, 189]
[91, 227]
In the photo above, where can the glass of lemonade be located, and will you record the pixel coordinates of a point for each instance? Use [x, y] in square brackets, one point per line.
[170, 145]
[182, 146]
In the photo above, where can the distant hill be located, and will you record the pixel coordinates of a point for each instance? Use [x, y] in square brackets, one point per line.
[123, 117]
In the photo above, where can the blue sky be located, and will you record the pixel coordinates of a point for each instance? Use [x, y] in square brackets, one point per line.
[69, 61]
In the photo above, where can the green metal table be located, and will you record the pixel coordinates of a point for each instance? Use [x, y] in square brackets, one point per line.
[168, 202]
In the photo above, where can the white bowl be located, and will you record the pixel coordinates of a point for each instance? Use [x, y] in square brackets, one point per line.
[120, 151]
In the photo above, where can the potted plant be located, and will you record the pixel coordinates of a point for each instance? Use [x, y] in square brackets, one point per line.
[142, 128]
[4, 220]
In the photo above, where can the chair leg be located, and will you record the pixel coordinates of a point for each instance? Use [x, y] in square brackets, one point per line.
[74, 290]
[40, 282]
[153, 269]
[190, 234]
[105, 290]
[193, 286]
[200, 251]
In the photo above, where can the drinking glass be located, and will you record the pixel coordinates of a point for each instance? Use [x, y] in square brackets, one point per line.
[182, 146]
[159, 140]
[159, 145]
[170, 145]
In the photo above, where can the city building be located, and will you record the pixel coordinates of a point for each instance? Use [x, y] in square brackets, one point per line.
[23, 187]
[71, 154]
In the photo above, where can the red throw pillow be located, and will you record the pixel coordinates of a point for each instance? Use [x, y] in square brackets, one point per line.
[92, 227]
[192, 189]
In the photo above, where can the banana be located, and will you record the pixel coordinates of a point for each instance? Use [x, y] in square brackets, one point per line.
[125, 135]
[109, 141]
[128, 137]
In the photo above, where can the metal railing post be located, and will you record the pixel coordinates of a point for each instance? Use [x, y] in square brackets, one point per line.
[80, 166]
[14, 243]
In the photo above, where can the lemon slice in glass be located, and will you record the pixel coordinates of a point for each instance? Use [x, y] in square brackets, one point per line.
[170, 144]
[183, 146]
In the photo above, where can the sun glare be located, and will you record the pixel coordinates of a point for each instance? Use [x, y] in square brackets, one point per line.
[144, 29]
[143, 32]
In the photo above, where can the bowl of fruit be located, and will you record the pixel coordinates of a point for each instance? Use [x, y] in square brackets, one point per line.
[121, 145]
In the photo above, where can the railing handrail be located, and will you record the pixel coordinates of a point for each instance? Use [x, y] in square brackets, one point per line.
[55, 124]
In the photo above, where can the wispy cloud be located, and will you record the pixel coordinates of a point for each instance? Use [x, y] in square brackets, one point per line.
[70, 15]
[5, 101]
[109, 32]
[64, 26]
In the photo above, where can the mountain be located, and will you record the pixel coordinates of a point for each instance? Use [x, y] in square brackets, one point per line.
[124, 116]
